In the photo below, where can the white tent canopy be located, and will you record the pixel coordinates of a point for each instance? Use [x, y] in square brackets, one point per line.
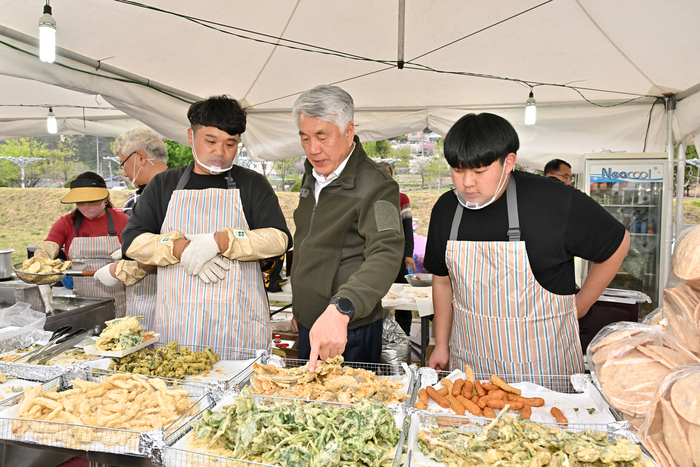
[148, 64]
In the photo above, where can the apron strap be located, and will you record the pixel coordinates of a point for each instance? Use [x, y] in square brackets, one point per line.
[182, 183]
[513, 221]
[78, 221]
[512, 203]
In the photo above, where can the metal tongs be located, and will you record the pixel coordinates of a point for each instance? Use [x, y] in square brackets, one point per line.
[64, 343]
[62, 331]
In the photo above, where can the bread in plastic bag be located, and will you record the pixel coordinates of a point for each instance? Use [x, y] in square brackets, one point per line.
[671, 429]
[686, 255]
[682, 313]
[629, 359]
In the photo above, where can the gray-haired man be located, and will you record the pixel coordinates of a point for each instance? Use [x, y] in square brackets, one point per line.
[348, 239]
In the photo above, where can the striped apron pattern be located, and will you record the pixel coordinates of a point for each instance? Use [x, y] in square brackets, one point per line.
[141, 297]
[504, 321]
[233, 312]
[93, 253]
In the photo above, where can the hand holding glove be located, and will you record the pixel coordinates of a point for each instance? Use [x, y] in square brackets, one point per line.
[116, 254]
[201, 249]
[214, 270]
[104, 275]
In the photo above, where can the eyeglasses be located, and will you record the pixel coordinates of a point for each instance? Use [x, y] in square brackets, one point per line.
[122, 164]
[564, 176]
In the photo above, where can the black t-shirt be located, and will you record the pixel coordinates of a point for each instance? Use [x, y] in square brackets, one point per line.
[557, 222]
[260, 204]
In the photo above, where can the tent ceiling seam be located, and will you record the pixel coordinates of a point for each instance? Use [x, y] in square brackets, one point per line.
[274, 48]
[578, 2]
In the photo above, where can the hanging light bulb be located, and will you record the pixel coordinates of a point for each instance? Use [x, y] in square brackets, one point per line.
[51, 124]
[530, 110]
[47, 35]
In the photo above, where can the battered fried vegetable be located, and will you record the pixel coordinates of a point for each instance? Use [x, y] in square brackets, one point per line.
[300, 434]
[170, 361]
[520, 442]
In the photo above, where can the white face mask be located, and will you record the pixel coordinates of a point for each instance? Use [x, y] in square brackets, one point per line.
[136, 177]
[213, 170]
[475, 206]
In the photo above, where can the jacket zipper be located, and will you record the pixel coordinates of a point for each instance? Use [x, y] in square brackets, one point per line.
[313, 212]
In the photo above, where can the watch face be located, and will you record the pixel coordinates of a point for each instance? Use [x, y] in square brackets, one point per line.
[344, 305]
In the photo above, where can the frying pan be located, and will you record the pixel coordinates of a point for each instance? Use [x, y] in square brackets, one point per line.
[48, 278]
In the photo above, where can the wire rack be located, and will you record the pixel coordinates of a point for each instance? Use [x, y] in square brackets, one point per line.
[558, 383]
[83, 437]
[203, 386]
[177, 457]
[383, 370]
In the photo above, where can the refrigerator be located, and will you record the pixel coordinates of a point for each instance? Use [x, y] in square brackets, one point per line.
[631, 188]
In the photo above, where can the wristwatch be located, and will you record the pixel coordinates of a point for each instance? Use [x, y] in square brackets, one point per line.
[344, 306]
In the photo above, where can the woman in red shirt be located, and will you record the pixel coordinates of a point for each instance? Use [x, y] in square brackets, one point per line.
[88, 235]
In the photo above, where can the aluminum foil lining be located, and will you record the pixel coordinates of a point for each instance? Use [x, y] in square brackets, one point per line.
[217, 389]
[152, 444]
[31, 372]
[24, 340]
[621, 428]
[428, 376]
[276, 360]
[580, 381]
[79, 370]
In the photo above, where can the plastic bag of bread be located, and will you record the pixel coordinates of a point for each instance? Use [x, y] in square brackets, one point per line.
[628, 360]
[686, 255]
[682, 313]
[671, 429]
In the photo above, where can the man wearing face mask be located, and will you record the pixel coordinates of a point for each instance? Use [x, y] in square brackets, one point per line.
[206, 226]
[501, 247]
[142, 155]
[91, 231]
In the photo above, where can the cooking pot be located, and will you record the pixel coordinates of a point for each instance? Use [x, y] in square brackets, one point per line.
[5, 263]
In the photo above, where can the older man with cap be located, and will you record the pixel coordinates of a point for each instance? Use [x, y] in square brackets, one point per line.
[348, 238]
[142, 154]
[206, 226]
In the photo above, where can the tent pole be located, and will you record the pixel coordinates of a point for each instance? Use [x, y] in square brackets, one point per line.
[402, 31]
[680, 185]
[667, 202]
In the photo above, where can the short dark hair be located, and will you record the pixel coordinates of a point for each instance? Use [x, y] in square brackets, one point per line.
[222, 112]
[476, 141]
[554, 165]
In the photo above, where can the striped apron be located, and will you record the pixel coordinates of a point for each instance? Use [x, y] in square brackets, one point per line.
[504, 321]
[233, 312]
[90, 254]
[141, 297]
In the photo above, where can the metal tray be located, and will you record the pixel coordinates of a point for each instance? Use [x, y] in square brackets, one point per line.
[89, 438]
[177, 457]
[201, 383]
[382, 370]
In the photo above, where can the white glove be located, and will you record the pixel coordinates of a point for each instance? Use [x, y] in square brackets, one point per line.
[105, 276]
[202, 248]
[116, 254]
[214, 270]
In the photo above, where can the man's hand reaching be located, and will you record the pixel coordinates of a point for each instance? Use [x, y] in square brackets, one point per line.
[328, 336]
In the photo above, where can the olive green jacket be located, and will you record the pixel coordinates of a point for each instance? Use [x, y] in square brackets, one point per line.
[348, 245]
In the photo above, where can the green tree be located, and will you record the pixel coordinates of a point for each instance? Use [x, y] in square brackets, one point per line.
[691, 171]
[11, 173]
[178, 154]
[378, 149]
[285, 169]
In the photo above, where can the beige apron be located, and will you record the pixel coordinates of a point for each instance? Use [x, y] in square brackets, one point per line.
[90, 254]
[233, 312]
[504, 321]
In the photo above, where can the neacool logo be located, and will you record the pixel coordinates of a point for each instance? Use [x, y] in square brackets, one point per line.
[609, 173]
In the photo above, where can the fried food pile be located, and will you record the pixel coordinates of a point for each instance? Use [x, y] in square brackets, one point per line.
[170, 361]
[329, 382]
[126, 402]
[122, 333]
[511, 442]
[36, 265]
[299, 434]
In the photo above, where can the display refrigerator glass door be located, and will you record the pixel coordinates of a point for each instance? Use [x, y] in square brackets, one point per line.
[632, 194]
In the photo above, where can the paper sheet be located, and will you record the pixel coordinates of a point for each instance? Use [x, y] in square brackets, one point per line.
[573, 406]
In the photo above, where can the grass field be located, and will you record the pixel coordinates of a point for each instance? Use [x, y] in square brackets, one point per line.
[26, 215]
